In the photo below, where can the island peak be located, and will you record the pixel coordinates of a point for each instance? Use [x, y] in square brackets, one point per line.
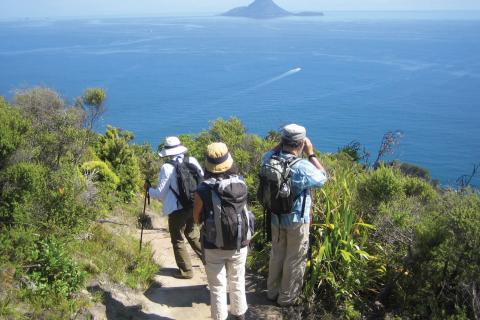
[265, 9]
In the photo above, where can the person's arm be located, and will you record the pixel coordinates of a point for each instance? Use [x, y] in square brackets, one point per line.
[314, 173]
[163, 182]
[310, 153]
[197, 209]
[199, 167]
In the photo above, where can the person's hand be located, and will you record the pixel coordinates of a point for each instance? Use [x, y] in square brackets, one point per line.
[308, 147]
[147, 185]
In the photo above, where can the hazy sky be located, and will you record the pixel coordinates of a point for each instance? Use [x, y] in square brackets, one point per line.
[59, 8]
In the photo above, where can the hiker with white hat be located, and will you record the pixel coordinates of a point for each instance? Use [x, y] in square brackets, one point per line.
[177, 182]
[286, 180]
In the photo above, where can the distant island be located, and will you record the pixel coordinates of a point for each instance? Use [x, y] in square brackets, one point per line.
[266, 9]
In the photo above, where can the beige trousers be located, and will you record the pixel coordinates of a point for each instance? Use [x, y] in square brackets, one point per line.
[223, 265]
[288, 260]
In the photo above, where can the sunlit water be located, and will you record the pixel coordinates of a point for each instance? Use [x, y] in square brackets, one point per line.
[346, 76]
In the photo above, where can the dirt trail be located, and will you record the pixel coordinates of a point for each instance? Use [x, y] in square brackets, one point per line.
[171, 298]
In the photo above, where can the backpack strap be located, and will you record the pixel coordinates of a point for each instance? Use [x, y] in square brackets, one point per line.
[217, 211]
[293, 161]
[304, 192]
[174, 164]
[175, 193]
[249, 223]
[304, 201]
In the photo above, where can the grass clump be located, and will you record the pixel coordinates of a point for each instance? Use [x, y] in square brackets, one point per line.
[117, 256]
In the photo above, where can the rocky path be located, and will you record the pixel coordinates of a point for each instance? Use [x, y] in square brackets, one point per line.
[171, 298]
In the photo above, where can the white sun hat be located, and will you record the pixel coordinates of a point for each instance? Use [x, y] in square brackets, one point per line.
[172, 147]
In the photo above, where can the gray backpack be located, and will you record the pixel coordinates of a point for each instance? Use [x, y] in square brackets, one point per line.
[228, 224]
[275, 187]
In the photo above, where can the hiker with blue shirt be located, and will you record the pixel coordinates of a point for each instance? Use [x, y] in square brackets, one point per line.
[290, 215]
[176, 196]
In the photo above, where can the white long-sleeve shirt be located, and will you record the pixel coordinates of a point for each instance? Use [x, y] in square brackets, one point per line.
[168, 178]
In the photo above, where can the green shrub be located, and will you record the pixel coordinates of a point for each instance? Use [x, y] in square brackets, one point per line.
[413, 170]
[102, 174]
[149, 161]
[430, 253]
[52, 201]
[13, 131]
[381, 185]
[94, 96]
[445, 261]
[16, 244]
[113, 148]
[56, 135]
[21, 186]
[416, 187]
[68, 204]
[353, 151]
[53, 270]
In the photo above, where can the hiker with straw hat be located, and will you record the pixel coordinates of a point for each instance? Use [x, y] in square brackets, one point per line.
[176, 179]
[227, 227]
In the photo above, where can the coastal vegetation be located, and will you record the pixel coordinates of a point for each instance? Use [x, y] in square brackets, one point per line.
[59, 181]
[387, 241]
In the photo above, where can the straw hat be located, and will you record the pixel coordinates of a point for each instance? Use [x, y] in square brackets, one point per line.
[218, 158]
[172, 147]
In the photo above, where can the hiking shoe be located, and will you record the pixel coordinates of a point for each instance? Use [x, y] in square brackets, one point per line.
[179, 275]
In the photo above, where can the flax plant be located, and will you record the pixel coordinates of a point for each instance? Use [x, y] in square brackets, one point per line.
[338, 262]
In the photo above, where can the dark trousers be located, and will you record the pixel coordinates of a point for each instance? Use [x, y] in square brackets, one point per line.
[180, 224]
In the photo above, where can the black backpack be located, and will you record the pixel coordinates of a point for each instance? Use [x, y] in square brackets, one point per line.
[228, 224]
[275, 187]
[188, 178]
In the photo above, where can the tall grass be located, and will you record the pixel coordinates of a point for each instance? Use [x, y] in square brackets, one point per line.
[337, 268]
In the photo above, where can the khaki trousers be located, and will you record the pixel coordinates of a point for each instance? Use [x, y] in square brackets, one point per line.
[180, 225]
[223, 265]
[288, 259]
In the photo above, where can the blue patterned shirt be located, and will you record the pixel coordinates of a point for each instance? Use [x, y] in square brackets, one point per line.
[305, 176]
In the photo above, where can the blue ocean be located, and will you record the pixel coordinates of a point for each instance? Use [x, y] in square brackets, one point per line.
[345, 76]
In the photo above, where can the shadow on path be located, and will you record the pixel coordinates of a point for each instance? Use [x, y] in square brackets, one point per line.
[117, 310]
[259, 307]
[178, 297]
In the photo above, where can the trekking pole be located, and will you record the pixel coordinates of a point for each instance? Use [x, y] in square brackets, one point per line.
[264, 231]
[142, 218]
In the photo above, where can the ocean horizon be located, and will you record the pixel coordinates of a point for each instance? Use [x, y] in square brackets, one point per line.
[335, 15]
[345, 76]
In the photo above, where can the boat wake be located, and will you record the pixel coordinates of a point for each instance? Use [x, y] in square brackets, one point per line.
[277, 78]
